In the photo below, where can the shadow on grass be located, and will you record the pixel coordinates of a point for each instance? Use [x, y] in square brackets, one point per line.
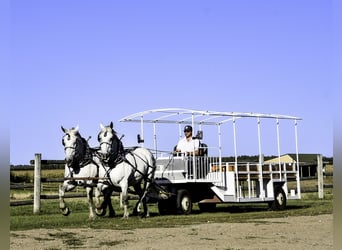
[234, 208]
[253, 209]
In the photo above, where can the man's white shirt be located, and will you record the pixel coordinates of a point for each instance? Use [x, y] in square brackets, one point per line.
[188, 146]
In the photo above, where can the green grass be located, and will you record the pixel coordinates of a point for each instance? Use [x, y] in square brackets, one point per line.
[22, 218]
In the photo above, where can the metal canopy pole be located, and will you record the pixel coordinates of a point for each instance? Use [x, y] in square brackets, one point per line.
[278, 145]
[259, 143]
[261, 180]
[219, 141]
[193, 152]
[142, 129]
[234, 131]
[180, 131]
[235, 153]
[155, 137]
[297, 161]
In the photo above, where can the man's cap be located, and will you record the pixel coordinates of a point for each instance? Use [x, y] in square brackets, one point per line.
[187, 128]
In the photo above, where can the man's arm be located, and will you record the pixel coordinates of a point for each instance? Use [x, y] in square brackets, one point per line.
[192, 153]
[177, 149]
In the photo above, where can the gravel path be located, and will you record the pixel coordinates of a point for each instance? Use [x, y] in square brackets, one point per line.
[303, 232]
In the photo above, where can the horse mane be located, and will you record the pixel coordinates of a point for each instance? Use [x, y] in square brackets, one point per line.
[84, 152]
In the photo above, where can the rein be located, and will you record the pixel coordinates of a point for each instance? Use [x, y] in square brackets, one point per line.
[145, 176]
[135, 168]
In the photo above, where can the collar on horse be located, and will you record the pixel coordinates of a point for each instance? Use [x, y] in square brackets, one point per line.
[116, 156]
[76, 166]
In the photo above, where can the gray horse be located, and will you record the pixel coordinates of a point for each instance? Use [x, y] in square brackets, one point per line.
[124, 168]
[81, 169]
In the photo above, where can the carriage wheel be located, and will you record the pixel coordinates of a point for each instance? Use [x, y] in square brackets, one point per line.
[279, 202]
[166, 206]
[184, 203]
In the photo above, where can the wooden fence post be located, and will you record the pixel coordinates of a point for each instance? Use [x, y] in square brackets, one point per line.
[37, 180]
[320, 176]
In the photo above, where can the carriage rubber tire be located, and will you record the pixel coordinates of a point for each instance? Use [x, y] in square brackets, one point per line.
[167, 206]
[279, 202]
[207, 207]
[184, 203]
[162, 207]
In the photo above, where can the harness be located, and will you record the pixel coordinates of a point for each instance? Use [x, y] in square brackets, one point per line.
[121, 158]
[118, 156]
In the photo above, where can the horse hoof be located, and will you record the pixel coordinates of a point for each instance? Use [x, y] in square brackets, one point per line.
[66, 211]
[100, 211]
[111, 215]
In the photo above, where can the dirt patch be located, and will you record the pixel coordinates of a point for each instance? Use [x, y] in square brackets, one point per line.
[303, 232]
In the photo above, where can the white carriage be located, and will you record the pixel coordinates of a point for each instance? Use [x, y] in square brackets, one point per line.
[212, 178]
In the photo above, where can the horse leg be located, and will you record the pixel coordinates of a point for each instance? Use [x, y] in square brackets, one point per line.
[89, 191]
[124, 199]
[146, 212]
[109, 203]
[147, 183]
[143, 192]
[121, 200]
[65, 187]
[144, 199]
[138, 190]
[100, 209]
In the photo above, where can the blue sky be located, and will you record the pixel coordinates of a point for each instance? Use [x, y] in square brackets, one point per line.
[85, 62]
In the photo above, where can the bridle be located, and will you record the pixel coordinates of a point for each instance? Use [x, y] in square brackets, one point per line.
[82, 157]
[66, 147]
[79, 148]
[104, 142]
[113, 157]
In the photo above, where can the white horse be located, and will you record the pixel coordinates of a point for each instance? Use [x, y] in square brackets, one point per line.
[81, 169]
[124, 168]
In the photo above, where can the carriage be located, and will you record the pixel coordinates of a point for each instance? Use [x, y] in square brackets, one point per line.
[213, 177]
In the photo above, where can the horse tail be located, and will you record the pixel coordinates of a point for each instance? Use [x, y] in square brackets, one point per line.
[151, 166]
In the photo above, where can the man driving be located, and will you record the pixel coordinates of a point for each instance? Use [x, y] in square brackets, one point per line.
[187, 145]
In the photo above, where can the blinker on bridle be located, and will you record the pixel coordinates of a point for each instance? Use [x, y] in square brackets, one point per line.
[74, 147]
[104, 135]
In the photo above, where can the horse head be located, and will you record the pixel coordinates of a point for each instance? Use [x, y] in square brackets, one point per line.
[110, 144]
[74, 145]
